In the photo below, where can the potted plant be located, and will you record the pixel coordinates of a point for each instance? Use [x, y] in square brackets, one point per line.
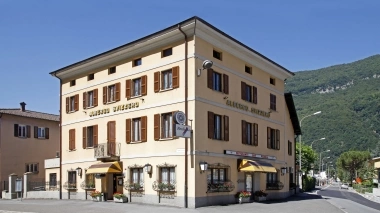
[243, 196]
[162, 186]
[96, 196]
[260, 195]
[119, 197]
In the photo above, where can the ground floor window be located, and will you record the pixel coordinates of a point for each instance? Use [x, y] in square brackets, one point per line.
[90, 181]
[72, 179]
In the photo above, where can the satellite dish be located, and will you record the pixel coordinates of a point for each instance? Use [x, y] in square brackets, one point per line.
[207, 64]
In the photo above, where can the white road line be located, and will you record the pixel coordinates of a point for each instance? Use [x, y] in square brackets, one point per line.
[6, 211]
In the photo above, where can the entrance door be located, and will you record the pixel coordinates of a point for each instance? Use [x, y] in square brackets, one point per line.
[249, 183]
[114, 183]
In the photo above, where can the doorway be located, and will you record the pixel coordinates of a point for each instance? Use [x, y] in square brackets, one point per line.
[249, 183]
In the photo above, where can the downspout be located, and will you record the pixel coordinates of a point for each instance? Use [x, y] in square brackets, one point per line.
[186, 122]
[60, 136]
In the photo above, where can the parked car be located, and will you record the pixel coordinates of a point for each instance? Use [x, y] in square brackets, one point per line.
[344, 186]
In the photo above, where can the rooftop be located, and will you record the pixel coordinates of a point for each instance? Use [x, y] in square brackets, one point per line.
[28, 113]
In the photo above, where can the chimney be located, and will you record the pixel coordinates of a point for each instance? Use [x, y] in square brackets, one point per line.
[22, 106]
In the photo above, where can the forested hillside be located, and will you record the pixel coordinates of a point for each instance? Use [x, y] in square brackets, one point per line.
[349, 97]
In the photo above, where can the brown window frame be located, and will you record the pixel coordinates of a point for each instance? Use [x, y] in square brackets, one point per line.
[211, 171]
[72, 140]
[224, 81]
[138, 175]
[112, 70]
[212, 129]
[107, 93]
[135, 62]
[46, 132]
[94, 99]
[159, 79]
[273, 138]
[217, 54]
[290, 148]
[91, 77]
[87, 137]
[272, 102]
[272, 81]
[253, 90]
[254, 133]
[167, 52]
[168, 168]
[249, 69]
[32, 167]
[72, 104]
[72, 83]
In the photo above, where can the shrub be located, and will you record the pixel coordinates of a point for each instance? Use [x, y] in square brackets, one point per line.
[118, 195]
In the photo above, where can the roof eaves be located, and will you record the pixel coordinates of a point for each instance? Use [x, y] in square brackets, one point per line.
[293, 113]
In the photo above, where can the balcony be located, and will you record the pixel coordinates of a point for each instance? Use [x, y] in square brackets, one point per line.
[107, 150]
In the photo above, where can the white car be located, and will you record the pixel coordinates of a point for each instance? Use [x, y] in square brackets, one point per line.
[344, 186]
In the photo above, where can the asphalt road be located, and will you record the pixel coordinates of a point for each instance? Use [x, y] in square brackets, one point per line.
[347, 201]
[300, 203]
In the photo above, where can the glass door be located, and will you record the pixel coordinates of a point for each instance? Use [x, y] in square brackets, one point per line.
[249, 183]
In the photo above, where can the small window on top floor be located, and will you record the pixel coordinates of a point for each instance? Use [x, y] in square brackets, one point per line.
[272, 81]
[91, 77]
[111, 70]
[137, 62]
[72, 83]
[167, 52]
[217, 55]
[248, 69]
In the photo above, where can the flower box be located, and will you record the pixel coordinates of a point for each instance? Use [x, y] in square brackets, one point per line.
[120, 200]
[243, 200]
[259, 199]
[97, 199]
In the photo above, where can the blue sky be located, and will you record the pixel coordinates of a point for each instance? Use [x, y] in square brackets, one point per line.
[37, 37]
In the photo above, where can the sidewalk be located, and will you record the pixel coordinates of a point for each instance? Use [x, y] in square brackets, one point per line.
[368, 196]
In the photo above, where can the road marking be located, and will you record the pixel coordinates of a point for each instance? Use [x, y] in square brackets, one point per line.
[6, 211]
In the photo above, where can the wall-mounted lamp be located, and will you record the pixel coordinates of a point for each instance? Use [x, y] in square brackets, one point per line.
[283, 170]
[207, 64]
[79, 171]
[203, 166]
[148, 168]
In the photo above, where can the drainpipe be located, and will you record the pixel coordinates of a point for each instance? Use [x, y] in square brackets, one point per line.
[186, 113]
[60, 136]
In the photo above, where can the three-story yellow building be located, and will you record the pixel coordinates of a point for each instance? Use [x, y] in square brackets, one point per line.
[119, 111]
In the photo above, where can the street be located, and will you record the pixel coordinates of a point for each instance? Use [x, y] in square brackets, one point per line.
[300, 203]
[348, 201]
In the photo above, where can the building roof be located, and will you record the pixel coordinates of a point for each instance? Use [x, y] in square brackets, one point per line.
[293, 113]
[161, 32]
[29, 114]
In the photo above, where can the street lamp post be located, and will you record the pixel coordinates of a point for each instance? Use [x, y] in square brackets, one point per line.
[300, 160]
[320, 159]
[327, 157]
[317, 140]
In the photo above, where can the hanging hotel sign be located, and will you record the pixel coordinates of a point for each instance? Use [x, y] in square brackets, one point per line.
[246, 108]
[121, 107]
[246, 154]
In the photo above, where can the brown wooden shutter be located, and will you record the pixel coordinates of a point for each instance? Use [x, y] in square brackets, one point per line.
[254, 95]
[128, 130]
[277, 139]
[243, 95]
[117, 93]
[84, 100]
[28, 131]
[104, 95]
[274, 102]
[35, 132]
[84, 141]
[210, 124]
[156, 81]
[269, 137]
[111, 131]
[157, 127]
[255, 134]
[244, 132]
[95, 135]
[67, 104]
[15, 130]
[95, 97]
[175, 77]
[225, 84]
[71, 139]
[226, 128]
[144, 131]
[46, 133]
[128, 89]
[144, 85]
[76, 102]
[209, 78]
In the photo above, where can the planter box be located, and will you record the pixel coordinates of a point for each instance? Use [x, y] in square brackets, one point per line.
[259, 199]
[243, 200]
[98, 199]
[120, 200]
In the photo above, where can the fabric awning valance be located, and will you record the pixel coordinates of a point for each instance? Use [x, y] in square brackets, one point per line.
[108, 167]
[256, 166]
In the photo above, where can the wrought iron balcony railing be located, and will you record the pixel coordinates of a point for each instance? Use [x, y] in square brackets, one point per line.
[226, 186]
[68, 185]
[106, 150]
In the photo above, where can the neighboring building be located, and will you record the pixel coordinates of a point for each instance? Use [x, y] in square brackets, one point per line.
[27, 138]
[118, 112]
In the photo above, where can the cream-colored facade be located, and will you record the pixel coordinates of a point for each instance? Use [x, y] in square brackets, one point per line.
[135, 92]
[27, 138]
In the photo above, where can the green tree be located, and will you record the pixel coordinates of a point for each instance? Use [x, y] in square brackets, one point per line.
[308, 157]
[352, 161]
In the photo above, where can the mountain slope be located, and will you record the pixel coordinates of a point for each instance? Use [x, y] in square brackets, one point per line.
[349, 97]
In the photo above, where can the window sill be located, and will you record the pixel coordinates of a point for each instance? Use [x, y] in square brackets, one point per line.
[90, 107]
[167, 139]
[111, 102]
[72, 150]
[41, 138]
[22, 137]
[249, 144]
[71, 112]
[90, 147]
[164, 90]
[136, 142]
[137, 96]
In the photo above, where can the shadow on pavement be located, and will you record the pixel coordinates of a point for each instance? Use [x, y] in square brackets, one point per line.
[294, 198]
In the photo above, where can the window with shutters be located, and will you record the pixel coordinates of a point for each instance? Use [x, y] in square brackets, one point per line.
[218, 126]
[249, 133]
[90, 99]
[31, 167]
[167, 175]
[111, 70]
[111, 93]
[90, 136]
[136, 87]
[290, 147]
[166, 79]
[22, 131]
[167, 125]
[136, 129]
[41, 132]
[273, 139]
[272, 102]
[217, 54]
[137, 62]
[248, 93]
[72, 103]
[167, 52]
[217, 81]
